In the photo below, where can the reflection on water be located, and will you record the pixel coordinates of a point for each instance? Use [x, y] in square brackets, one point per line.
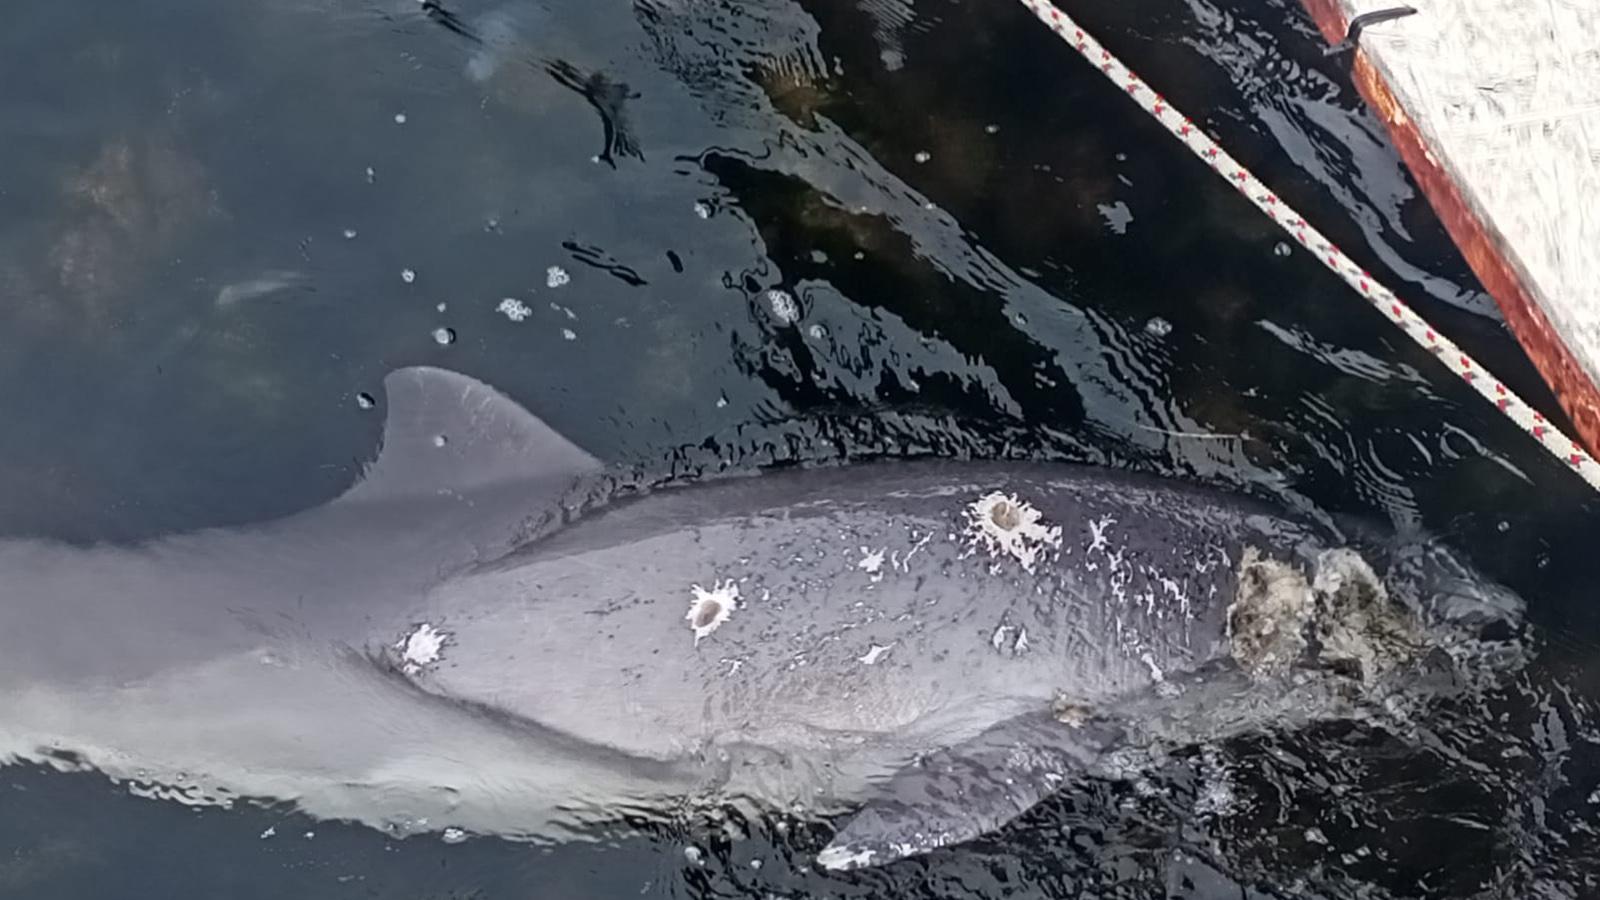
[207, 208]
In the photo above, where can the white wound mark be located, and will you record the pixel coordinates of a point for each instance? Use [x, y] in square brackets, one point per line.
[874, 654]
[1097, 533]
[904, 563]
[1156, 674]
[710, 609]
[421, 648]
[1004, 525]
[1021, 645]
[872, 562]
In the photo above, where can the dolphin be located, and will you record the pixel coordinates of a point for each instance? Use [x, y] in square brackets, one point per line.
[457, 644]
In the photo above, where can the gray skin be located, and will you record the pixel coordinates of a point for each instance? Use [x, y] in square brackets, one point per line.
[272, 662]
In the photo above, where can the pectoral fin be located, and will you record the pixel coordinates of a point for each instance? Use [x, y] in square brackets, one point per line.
[969, 789]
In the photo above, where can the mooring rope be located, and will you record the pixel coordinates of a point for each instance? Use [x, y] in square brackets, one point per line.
[1493, 389]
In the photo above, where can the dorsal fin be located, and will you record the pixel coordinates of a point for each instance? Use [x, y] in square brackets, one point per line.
[447, 433]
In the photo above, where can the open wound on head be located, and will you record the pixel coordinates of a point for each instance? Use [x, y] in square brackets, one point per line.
[1004, 525]
[1359, 629]
[709, 609]
[1268, 615]
[1341, 619]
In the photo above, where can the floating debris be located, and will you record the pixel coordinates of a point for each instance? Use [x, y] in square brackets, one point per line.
[400, 118]
[922, 156]
[702, 210]
[1117, 215]
[1003, 524]
[444, 337]
[408, 276]
[453, 835]
[710, 609]
[569, 334]
[555, 277]
[991, 129]
[1281, 249]
[366, 400]
[372, 176]
[694, 855]
[440, 440]
[349, 234]
[514, 309]
[1158, 327]
[441, 307]
[271, 831]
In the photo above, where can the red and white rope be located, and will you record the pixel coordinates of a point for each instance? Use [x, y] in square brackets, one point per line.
[1552, 438]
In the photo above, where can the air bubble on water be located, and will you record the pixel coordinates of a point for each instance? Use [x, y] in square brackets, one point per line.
[569, 334]
[783, 306]
[860, 255]
[491, 224]
[453, 835]
[444, 337]
[440, 440]
[408, 276]
[923, 156]
[555, 277]
[1158, 326]
[1503, 526]
[442, 307]
[514, 309]
[349, 234]
[400, 118]
[1281, 249]
[722, 401]
[365, 400]
[372, 176]
[694, 855]
[992, 128]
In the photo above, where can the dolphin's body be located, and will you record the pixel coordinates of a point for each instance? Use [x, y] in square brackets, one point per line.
[936, 644]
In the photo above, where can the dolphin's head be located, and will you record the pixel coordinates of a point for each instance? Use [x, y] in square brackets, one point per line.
[1449, 593]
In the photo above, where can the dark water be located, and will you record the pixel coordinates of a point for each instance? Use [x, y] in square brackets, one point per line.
[185, 328]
